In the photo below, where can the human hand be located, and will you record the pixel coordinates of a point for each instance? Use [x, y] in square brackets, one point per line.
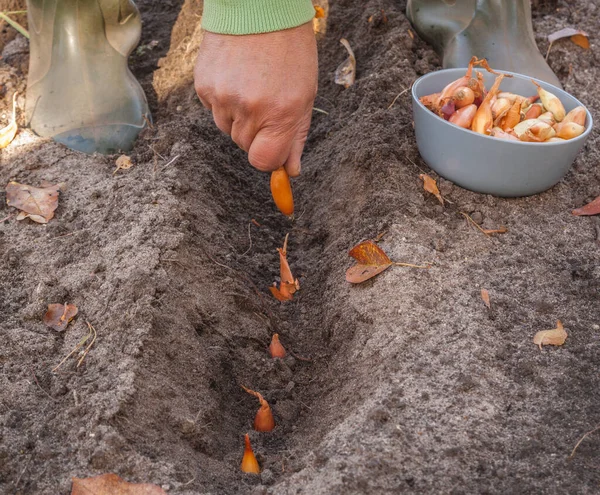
[260, 89]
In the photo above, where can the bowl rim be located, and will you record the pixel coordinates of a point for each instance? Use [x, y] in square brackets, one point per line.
[582, 137]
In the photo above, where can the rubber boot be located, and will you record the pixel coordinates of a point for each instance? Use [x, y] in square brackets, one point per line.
[498, 30]
[80, 91]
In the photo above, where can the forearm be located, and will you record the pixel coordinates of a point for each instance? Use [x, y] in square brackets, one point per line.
[255, 16]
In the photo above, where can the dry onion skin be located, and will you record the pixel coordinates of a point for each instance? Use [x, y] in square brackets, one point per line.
[539, 118]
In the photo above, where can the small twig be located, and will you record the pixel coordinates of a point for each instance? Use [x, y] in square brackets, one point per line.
[380, 236]
[38, 384]
[157, 153]
[217, 263]
[87, 349]
[428, 266]
[326, 99]
[15, 25]
[148, 121]
[109, 299]
[22, 473]
[581, 440]
[397, 96]
[249, 239]
[300, 216]
[262, 317]
[154, 167]
[75, 349]
[285, 242]
[470, 220]
[189, 482]
[300, 358]
[171, 161]
[173, 260]
[236, 294]
[416, 165]
[65, 235]
[320, 110]
[548, 51]
[6, 218]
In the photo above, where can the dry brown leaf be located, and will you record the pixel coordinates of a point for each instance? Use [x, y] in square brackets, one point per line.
[111, 484]
[359, 273]
[592, 208]
[485, 295]
[345, 74]
[369, 253]
[319, 12]
[8, 133]
[37, 203]
[556, 336]
[578, 37]
[372, 260]
[123, 163]
[430, 186]
[58, 316]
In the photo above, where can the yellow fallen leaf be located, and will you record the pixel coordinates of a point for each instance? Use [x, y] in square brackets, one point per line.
[430, 186]
[556, 336]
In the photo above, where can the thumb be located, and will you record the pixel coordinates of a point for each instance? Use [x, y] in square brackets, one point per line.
[269, 152]
[293, 163]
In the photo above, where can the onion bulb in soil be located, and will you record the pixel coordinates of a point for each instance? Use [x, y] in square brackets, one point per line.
[249, 462]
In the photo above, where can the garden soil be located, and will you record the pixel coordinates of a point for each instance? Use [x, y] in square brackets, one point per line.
[407, 383]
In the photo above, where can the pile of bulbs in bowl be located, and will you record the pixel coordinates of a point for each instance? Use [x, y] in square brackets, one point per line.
[504, 115]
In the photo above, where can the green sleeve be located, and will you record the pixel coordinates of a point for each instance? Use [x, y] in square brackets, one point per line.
[255, 16]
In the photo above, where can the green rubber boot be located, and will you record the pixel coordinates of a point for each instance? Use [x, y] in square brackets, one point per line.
[80, 91]
[498, 30]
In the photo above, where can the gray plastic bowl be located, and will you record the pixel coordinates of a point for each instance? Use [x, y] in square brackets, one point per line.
[486, 164]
